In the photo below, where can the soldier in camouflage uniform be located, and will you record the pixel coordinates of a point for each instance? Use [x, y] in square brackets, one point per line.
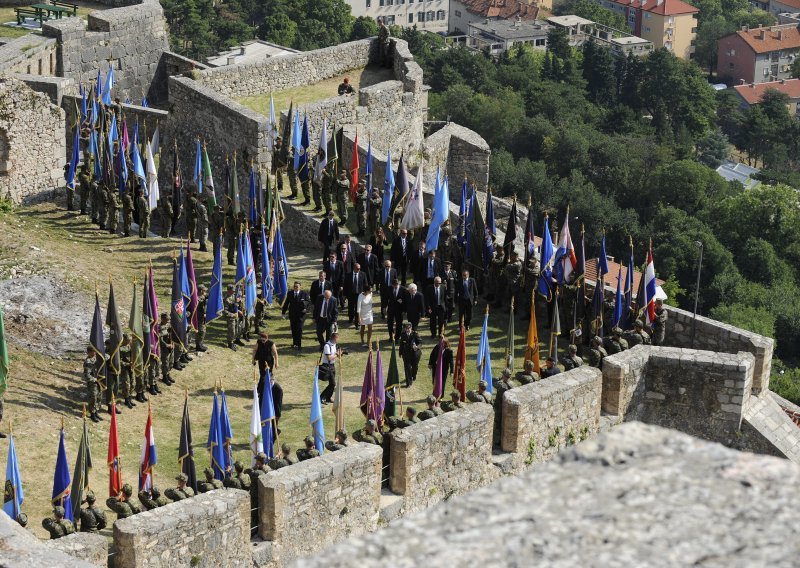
[615, 344]
[93, 519]
[432, 411]
[571, 360]
[238, 480]
[202, 223]
[231, 233]
[342, 195]
[127, 212]
[292, 175]
[480, 395]
[339, 442]
[494, 281]
[113, 205]
[283, 459]
[259, 469]
[152, 499]
[98, 204]
[278, 165]
[454, 403]
[125, 374]
[85, 181]
[210, 484]
[445, 249]
[410, 418]
[167, 348]
[323, 188]
[361, 208]
[369, 434]
[165, 213]
[57, 525]
[191, 213]
[216, 225]
[597, 353]
[151, 375]
[124, 507]
[92, 388]
[202, 306]
[637, 335]
[527, 375]
[530, 277]
[660, 323]
[233, 315]
[309, 451]
[258, 314]
[375, 205]
[500, 388]
[508, 287]
[143, 206]
[182, 491]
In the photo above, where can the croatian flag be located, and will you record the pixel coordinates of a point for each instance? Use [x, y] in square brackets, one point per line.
[650, 288]
[566, 261]
[148, 455]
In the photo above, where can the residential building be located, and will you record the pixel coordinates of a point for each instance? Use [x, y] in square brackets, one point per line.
[789, 18]
[758, 55]
[429, 15]
[671, 24]
[579, 30]
[778, 7]
[249, 51]
[752, 93]
[736, 171]
[497, 36]
[464, 12]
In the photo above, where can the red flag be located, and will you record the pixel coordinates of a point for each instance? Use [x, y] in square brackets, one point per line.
[354, 165]
[460, 371]
[438, 380]
[114, 469]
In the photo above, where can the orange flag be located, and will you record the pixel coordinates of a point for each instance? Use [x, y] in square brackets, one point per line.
[532, 344]
[460, 370]
[114, 466]
[354, 165]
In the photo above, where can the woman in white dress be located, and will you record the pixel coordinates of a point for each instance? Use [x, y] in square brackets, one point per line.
[364, 309]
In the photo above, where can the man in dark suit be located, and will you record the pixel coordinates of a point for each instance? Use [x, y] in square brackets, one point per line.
[297, 304]
[401, 254]
[335, 273]
[417, 262]
[436, 300]
[410, 353]
[319, 286]
[369, 265]
[385, 277]
[466, 297]
[353, 286]
[353, 249]
[328, 235]
[449, 280]
[431, 268]
[415, 306]
[395, 306]
[347, 259]
[326, 312]
[277, 400]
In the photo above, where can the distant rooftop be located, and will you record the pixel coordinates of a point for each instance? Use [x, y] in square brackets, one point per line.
[502, 9]
[248, 52]
[630, 40]
[570, 20]
[735, 171]
[512, 29]
[660, 7]
[753, 93]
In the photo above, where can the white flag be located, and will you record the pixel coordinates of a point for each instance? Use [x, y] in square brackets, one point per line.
[272, 128]
[256, 441]
[152, 179]
[322, 153]
[414, 217]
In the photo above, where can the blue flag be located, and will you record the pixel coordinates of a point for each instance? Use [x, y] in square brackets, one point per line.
[296, 140]
[15, 496]
[490, 230]
[197, 174]
[546, 260]
[241, 264]
[317, 425]
[215, 444]
[462, 215]
[616, 317]
[602, 266]
[99, 87]
[626, 322]
[304, 173]
[441, 211]
[484, 359]
[84, 105]
[138, 167]
[108, 86]
[227, 434]
[250, 292]
[215, 306]
[61, 480]
[186, 287]
[73, 163]
[95, 112]
[113, 131]
[267, 417]
[388, 189]
[266, 274]
[280, 277]
[145, 102]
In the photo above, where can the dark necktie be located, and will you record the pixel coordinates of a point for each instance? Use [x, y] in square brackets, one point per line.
[330, 228]
[325, 308]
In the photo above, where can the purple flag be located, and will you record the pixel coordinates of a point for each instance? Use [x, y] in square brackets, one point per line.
[151, 313]
[192, 307]
[438, 383]
[367, 388]
[379, 393]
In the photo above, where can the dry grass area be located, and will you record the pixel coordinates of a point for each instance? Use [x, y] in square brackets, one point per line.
[7, 15]
[46, 240]
[322, 90]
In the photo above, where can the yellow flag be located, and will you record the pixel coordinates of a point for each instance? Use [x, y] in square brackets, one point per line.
[532, 344]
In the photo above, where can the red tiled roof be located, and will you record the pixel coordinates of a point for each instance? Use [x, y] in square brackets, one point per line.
[611, 277]
[765, 40]
[660, 7]
[754, 92]
[502, 9]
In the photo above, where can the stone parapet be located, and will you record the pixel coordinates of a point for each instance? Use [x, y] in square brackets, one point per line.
[91, 547]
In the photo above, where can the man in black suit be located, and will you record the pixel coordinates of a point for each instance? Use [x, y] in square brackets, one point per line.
[353, 249]
[466, 297]
[297, 304]
[347, 259]
[335, 273]
[328, 235]
[353, 286]
[401, 254]
[436, 300]
[415, 306]
[385, 277]
[369, 265]
[449, 280]
[277, 401]
[326, 312]
[395, 306]
[319, 286]
[431, 268]
[417, 262]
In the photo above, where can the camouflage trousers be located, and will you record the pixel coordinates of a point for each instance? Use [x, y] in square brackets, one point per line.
[151, 373]
[341, 205]
[317, 188]
[144, 225]
[233, 331]
[84, 198]
[200, 335]
[306, 186]
[231, 240]
[127, 219]
[327, 198]
[92, 396]
[293, 182]
[191, 227]
[166, 362]
[112, 386]
[166, 225]
[112, 219]
[126, 383]
[70, 198]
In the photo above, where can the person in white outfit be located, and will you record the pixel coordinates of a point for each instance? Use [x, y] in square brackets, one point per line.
[364, 309]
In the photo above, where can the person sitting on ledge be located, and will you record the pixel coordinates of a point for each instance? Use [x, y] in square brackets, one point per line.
[345, 88]
[309, 451]
[369, 434]
[432, 411]
[339, 443]
[454, 403]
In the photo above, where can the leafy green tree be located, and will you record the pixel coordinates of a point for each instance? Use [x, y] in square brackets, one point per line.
[598, 70]
[796, 69]
[709, 32]
[757, 320]
[687, 185]
[591, 11]
[558, 43]
[713, 148]
[364, 27]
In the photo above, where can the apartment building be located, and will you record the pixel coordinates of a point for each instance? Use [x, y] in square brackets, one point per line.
[429, 15]
[758, 55]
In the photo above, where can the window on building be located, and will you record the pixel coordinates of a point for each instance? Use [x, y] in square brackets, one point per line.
[389, 20]
[390, 2]
[440, 15]
[458, 13]
[420, 16]
[647, 29]
[369, 3]
[647, 15]
[382, 2]
[411, 18]
[401, 1]
[731, 52]
[730, 65]
[430, 16]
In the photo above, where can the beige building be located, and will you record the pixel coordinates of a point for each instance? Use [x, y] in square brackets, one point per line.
[465, 12]
[671, 24]
[429, 15]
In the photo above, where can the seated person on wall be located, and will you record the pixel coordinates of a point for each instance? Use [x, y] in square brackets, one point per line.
[152, 499]
[57, 525]
[571, 360]
[432, 411]
[210, 484]
[454, 403]
[345, 88]
[527, 375]
[182, 491]
[309, 451]
[284, 457]
[124, 507]
[550, 368]
[339, 442]
[369, 434]
[411, 418]
[238, 480]
[480, 395]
